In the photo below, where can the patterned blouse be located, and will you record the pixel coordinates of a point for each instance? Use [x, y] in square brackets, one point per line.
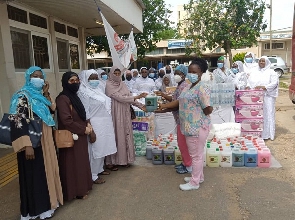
[191, 104]
[175, 96]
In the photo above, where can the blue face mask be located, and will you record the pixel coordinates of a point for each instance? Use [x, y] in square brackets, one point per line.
[219, 65]
[37, 83]
[93, 83]
[151, 75]
[192, 77]
[235, 70]
[249, 59]
[104, 77]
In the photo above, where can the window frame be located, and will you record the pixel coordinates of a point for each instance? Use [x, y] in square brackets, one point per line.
[273, 43]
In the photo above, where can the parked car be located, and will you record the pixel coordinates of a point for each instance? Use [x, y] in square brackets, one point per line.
[277, 64]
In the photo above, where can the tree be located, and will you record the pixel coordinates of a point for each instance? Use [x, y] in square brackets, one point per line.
[156, 27]
[239, 56]
[229, 24]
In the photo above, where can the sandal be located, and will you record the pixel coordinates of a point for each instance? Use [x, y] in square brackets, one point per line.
[82, 197]
[126, 166]
[104, 173]
[112, 167]
[99, 180]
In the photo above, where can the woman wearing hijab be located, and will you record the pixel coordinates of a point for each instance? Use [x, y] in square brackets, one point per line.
[121, 101]
[39, 181]
[144, 83]
[98, 111]
[166, 83]
[169, 70]
[250, 64]
[74, 164]
[135, 75]
[159, 81]
[268, 80]
[128, 80]
[241, 77]
[102, 76]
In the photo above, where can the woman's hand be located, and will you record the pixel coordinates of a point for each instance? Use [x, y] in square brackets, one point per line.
[88, 130]
[30, 155]
[260, 87]
[158, 93]
[46, 87]
[92, 137]
[160, 106]
[143, 108]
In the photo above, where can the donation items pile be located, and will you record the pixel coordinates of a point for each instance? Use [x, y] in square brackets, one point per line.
[249, 111]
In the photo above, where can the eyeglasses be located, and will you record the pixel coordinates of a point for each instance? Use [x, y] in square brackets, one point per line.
[71, 81]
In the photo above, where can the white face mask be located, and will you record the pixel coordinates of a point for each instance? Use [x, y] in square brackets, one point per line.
[177, 78]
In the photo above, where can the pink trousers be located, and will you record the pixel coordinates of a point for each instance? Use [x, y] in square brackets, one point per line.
[186, 158]
[196, 149]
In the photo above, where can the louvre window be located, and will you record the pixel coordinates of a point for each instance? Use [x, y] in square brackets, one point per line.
[62, 52]
[72, 32]
[17, 14]
[74, 54]
[60, 28]
[38, 21]
[40, 48]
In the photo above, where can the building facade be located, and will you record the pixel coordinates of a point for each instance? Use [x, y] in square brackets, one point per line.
[52, 34]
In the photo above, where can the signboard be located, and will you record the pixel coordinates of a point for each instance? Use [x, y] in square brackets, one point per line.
[175, 44]
[276, 36]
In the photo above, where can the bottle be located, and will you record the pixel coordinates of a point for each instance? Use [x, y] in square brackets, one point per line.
[226, 157]
[251, 157]
[213, 157]
[177, 156]
[238, 157]
[264, 158]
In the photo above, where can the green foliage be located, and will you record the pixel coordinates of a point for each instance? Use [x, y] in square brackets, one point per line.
[229, 24]
[156, 25]
[169, 33]
[239, 56]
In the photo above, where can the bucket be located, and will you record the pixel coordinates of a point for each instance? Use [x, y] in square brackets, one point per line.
[169, 156]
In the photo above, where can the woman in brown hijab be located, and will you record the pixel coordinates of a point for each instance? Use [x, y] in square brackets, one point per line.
[121, 101]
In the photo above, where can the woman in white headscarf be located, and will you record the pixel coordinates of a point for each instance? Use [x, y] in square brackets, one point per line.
[167, 82]
[159, 81]
[267, 79]
[169, 70]
[144, 83]
[241, 77]
[102, 76]
[128, 80]
[249, 63]
[98, 111]
[222, 74]
[135, 74]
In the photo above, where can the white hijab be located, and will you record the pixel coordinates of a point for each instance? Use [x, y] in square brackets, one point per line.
[267, 63]
[249, 66]
[240, 66]
[97, 94]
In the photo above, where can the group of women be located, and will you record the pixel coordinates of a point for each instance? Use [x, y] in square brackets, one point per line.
[96, 111]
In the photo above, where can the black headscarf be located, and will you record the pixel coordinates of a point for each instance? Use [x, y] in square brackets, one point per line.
[72, 95]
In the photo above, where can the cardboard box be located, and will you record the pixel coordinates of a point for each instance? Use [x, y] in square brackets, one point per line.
[249, 111]
[249, 97]
[253, 125]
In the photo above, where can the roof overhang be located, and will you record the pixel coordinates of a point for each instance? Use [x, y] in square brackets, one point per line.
[122, 15]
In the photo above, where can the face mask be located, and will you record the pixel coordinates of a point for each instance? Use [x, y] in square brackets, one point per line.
[151, 75]
[249, 59]
[74, 87]
[93, 83]
[235, 70]
[168, 71]
[219, 65]
[177, 78]
[104, 77]
[128, 78]
[192, 77]
[37, 83]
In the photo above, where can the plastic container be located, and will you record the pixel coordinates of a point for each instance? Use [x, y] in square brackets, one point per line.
[213, 157]
[149, 155]
[157, 156]
[226, 158]
[238, 157]
[151, 103]
[169, 156]
[177, 156]
[264, 158]
[251, 157]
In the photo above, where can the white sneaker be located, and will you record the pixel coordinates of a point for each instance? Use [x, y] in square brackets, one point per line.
[187, 186]
[187, 179]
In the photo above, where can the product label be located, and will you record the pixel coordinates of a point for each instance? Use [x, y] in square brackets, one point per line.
[178, 158]
[238, 158]
[157, 157]
[225, 159]
[213, 159]
[264, 160]
[169, 158]
[251, 160]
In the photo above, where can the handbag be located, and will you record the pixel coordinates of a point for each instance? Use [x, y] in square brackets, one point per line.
[63, 138]
[133, 115]
[35, 129]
